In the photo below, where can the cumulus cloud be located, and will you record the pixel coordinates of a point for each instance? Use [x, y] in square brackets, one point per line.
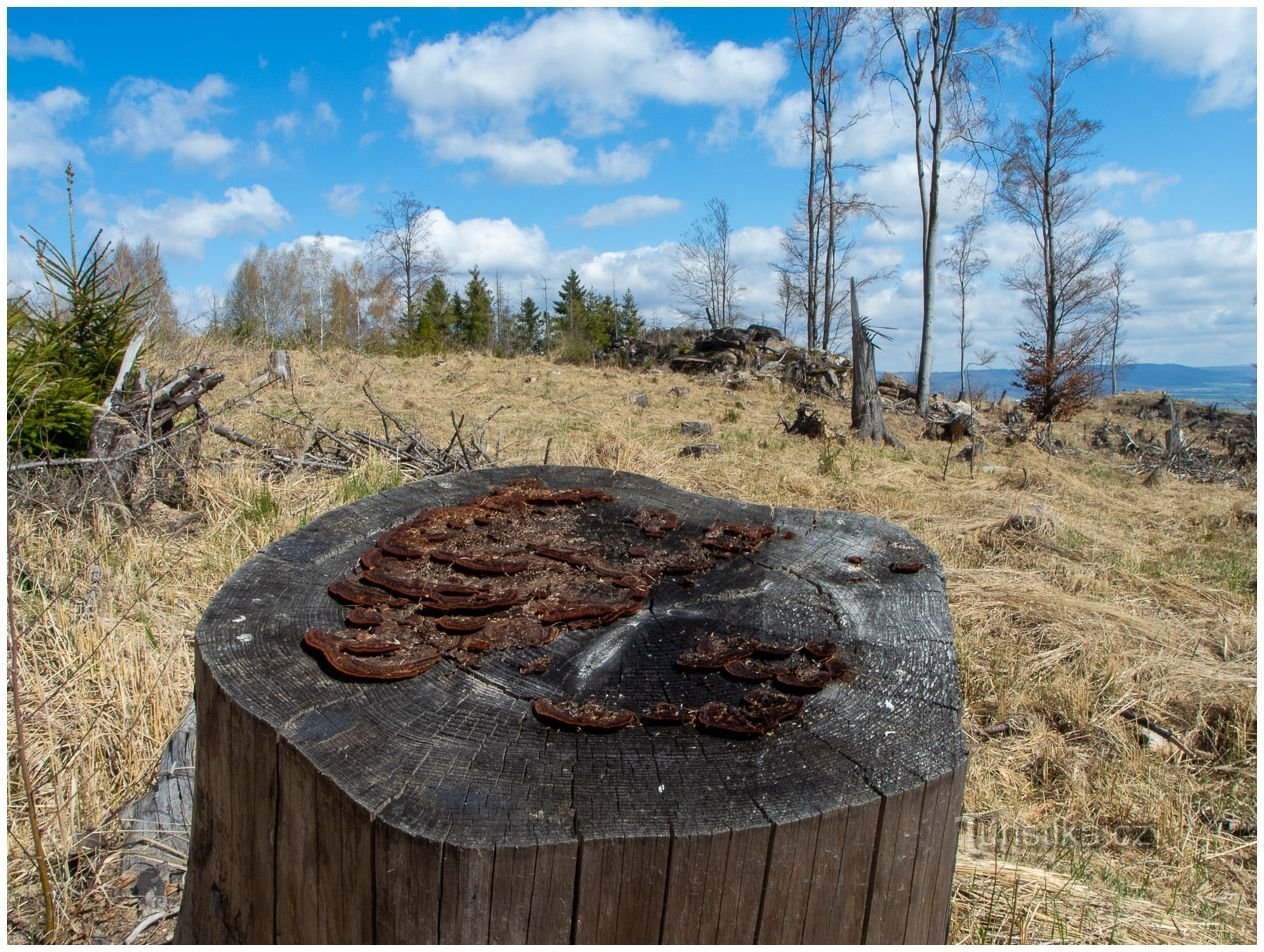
[493, 244]
[1214, 45]
[35, 138]
[344, 199]
[182, 226]
[626, 162]
[151, 116]
[298, 84]
[595, 67]
[630, 208]
[1148, 185]
[38, 46]
[341, 249]
[781, 128]
[1195, 294]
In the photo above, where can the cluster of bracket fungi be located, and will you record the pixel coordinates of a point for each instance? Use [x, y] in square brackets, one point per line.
[799, 668]
[512, 568]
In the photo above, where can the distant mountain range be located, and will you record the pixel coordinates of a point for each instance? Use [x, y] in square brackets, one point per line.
[1229, 386]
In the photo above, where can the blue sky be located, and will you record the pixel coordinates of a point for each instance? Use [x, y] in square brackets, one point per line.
[591, 138]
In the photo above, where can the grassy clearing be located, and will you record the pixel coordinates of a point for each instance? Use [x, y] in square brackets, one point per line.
[1077, 592]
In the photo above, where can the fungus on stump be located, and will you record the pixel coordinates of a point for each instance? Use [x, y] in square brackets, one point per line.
[591, 708]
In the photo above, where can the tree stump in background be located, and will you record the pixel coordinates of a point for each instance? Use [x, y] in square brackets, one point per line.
[441, 808]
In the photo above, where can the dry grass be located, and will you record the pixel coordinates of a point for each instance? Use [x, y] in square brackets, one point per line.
[1107, 594]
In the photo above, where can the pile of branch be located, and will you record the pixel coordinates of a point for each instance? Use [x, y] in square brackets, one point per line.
[1181, 449]
[339, 451]
[138, 448]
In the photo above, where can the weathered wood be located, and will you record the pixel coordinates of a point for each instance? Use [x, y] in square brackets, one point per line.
[439, 809]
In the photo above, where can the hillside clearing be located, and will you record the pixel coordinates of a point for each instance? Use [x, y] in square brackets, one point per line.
[1079, 592]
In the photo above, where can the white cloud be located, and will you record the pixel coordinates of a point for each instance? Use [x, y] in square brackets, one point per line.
[1148, 185]
[342, 250]
[546, 161]
[202, 148]
[1195, 295]
[322, 121]
[781, 128]
[298, 82]
[1214, 45]
[724, 130]
[594, 66]
[325, 117]
[344, 199]
[626, 162]
[386, 25]
[630, 208]
[38, 46]
[182, 226]
[493, 244]
[35, 140]
[151, 116]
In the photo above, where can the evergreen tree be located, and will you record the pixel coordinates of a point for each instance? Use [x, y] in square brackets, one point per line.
[602, 321]
[528, 330]
[456, 318]
[571, 306]
[475, 329]
[431, 329]
[630, 324]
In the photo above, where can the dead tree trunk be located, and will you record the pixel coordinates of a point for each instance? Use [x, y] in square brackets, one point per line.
[441, 807]
[866, 402]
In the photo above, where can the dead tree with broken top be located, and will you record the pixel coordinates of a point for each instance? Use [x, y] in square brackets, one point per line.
[866, 402]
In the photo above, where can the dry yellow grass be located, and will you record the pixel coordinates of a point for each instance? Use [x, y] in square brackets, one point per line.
[1109, 594]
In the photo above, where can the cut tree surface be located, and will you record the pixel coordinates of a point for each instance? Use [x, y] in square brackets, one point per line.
[449, 806]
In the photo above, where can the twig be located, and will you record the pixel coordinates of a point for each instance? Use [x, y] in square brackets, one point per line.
[147, 922]
[456, 428]
[1141, 720]
[19, 737]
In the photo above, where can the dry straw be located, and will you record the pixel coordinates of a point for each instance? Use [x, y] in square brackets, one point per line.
[1078, 593]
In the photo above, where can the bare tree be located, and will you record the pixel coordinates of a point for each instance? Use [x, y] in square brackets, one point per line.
[789, 299]
[940, 72]
[965, 263]
[402, 245]
[816, 248]
[1064, 281]
[1118, 310]
[706, 275]
[140, 269]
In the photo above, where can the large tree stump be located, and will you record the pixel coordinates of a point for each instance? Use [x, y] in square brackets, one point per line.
[441, 809]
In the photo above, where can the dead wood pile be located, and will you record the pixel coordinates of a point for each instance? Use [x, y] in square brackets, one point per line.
[742, 356]
[339, 451]
[1199, 442]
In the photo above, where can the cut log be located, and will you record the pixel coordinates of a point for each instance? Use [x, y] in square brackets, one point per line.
[441, 808]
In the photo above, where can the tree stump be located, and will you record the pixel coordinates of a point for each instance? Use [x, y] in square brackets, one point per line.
[441, 808]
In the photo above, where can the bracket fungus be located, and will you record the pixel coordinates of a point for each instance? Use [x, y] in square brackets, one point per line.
[518, 566]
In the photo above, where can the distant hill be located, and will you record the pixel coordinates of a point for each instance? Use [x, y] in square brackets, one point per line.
[1229, 386]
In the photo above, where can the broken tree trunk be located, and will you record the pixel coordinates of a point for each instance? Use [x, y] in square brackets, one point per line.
[866, 402]
[441, 808]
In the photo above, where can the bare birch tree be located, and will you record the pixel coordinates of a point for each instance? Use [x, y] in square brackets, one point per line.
[403, 248]
[1118, 310]
[965, 262]
[942, 63]
[706, 275]
[1065, 280]
[817, 248]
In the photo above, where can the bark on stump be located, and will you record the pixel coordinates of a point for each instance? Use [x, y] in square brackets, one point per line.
[439, 809]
